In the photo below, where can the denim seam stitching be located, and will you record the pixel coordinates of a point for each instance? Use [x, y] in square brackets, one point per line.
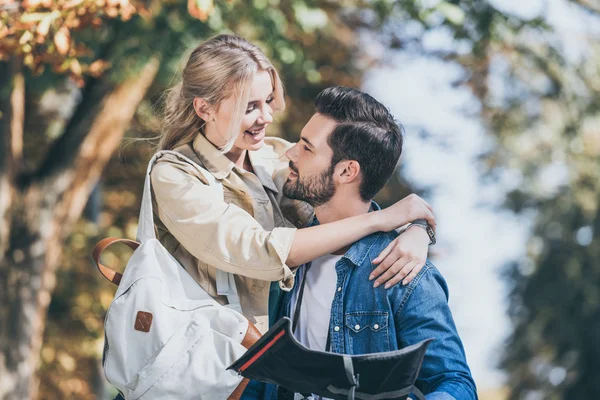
[412, 287]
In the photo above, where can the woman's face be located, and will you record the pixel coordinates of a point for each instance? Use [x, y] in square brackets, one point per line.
[258, 114]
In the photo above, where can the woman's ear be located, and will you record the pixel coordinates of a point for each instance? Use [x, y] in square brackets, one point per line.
[203, 109]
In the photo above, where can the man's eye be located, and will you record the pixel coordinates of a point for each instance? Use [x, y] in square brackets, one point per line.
[307, 149]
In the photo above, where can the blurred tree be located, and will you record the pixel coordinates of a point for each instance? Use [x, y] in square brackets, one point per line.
[45, 190]
[57, 134]
[75, 74]
[540, 101]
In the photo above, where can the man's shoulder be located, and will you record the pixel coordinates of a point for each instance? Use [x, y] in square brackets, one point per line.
[365, 250]
[382, 240]
[429, 279]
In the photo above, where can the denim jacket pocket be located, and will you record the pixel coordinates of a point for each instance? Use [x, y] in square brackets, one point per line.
[367, 332]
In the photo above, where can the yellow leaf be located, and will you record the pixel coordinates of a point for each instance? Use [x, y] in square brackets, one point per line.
[32, 17]
[31, 3]
[75, 67]
[26, 37]
[43, 27]
[67, 362]
[62, 40]
[98, 67]
[72, 3]
[200, 9]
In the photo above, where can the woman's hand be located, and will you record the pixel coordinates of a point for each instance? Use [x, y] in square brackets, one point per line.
[403, 258]
[410, 208]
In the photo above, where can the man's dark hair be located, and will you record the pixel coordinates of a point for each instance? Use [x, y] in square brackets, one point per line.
[366, 133]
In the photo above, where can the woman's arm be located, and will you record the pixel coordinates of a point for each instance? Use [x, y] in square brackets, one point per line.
[227, 237]
[316, 241]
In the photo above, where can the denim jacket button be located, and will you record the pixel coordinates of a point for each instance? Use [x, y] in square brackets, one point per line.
[339, 289]
[376, 326]
[357, 326]
[337, 329]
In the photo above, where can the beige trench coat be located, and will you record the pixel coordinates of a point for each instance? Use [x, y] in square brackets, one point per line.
[247, 229]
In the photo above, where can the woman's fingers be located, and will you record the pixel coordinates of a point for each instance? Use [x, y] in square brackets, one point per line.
[415, 271]
[382, 256]
[395, 266]
[431, 221]
[385, 259]
[406, 269]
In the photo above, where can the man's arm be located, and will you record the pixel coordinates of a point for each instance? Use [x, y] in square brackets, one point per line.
[423, 313]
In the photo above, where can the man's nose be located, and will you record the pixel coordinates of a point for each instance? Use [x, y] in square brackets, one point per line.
[291, 153]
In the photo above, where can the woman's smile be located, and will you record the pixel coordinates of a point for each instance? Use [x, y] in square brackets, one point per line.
[256, 134]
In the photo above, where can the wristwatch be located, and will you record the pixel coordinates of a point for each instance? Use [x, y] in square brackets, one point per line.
[423, 224]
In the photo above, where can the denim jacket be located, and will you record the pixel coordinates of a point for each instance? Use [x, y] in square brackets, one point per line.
[368, 320]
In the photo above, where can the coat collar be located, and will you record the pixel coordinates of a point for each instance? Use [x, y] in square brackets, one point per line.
[220, 166]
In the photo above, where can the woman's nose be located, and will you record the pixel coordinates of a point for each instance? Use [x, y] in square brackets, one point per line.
[266, 115]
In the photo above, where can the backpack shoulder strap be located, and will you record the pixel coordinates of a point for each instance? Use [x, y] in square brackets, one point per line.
[225, 281]
[187, 151]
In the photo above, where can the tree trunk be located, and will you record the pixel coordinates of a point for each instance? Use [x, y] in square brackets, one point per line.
[49, 203]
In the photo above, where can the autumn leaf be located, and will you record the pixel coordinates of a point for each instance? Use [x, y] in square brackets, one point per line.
[75, 67]
[71, 4]
[200, 9]
[98, 67]
[43, 26]
[62, 40]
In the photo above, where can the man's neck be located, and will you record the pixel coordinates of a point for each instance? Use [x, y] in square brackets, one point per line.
[340, 207]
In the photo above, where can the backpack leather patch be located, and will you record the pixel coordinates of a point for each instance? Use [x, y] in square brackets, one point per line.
[143, 321]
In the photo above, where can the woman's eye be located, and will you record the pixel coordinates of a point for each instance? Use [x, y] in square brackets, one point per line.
[270, 100]
[250, 109]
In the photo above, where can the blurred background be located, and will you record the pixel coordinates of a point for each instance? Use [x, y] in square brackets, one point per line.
[501, 104]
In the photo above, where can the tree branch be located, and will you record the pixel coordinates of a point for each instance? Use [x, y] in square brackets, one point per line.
[12, 120]
[588, 6]
[63, 151]
[108, 124]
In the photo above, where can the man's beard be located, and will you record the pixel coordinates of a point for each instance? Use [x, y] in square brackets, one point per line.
[315, 190]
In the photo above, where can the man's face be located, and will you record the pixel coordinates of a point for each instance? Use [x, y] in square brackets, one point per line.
[311, 172]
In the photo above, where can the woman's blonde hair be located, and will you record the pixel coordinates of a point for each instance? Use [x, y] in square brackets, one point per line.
[218, 68]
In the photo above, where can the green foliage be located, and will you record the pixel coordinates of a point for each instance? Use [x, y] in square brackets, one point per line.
[541, 108]
[309, 42]
[543, 115]
[544, 119]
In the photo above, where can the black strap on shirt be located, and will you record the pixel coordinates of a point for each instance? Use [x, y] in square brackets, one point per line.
[299, 305]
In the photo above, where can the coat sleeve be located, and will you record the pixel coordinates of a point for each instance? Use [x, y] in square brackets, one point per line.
[217, 233]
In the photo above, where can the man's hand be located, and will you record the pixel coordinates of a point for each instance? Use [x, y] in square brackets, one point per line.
[402, 259]
[410, 208]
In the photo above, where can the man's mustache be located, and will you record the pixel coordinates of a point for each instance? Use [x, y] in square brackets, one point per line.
[293, 167]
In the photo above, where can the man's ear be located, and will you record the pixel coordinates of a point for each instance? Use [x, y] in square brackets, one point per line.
[348, 171]
[203, 109]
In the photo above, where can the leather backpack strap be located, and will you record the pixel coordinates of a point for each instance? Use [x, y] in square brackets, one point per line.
[252, 335]
[109, 273]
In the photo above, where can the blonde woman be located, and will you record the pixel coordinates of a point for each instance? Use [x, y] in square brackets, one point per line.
[238, 221]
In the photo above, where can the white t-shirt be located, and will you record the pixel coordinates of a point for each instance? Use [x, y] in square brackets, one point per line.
[315, 310]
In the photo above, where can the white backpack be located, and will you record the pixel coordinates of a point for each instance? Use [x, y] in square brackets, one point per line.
[165, 337]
